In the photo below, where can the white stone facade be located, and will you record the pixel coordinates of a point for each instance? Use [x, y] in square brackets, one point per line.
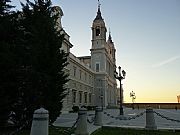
[92, 81]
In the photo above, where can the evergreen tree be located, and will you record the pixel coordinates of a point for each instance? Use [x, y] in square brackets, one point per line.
[31, 62]
[5, 7]
[8, 60]
[46, 78]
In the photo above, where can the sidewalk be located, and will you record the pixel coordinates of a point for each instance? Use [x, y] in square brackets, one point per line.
[67, 120]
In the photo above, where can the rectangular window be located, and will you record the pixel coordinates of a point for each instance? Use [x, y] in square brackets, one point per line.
[109, 68]
[89, 79]
[85, 97]
[80, 97]
[89, 97]
[85, 77]
[74, 96]
[74, 71]
[97, 67]
[74, 85]
[80, 74]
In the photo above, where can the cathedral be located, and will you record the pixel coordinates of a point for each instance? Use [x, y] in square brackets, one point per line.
[92, 81]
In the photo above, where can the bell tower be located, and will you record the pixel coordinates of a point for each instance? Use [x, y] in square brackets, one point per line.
[98, 43]
[98, 31]
[102, 62]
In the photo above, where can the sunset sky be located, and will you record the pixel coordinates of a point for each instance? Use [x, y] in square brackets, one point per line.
[146, 34]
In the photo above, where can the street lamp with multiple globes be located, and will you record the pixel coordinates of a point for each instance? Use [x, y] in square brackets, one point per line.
[120, 77]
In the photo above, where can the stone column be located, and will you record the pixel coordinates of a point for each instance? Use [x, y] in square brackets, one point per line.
[150, 121]
[98, 116]
[81, 128]
[40, 122]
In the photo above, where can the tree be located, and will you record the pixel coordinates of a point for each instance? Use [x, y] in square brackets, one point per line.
[8, 65]
[5, 7]
[46, 79]
[31, 62]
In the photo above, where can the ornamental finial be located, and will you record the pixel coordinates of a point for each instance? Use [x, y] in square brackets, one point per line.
[99, 4]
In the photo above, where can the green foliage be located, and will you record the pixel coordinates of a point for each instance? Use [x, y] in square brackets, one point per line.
[9, 61]
[110, 131]
[89, 108]
[31, 62]
[5, 7]
[52, 131]
[47, 61]
[129, 131]
[75, 108]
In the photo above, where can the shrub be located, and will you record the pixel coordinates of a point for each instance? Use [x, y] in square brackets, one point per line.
[75, 108]
[90, 108]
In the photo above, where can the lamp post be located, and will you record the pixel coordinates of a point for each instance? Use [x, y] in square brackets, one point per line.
[133, 96]
[101, 101]
[178, 98]
[101, 93]
[120, 77]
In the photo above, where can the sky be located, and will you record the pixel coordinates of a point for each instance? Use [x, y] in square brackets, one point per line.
[146, 34]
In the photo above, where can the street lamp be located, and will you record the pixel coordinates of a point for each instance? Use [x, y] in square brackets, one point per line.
[178, 98]
[120, 77]
[101, 93]
[133, 96]
[101, 101]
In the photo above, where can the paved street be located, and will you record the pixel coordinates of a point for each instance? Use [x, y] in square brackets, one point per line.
[140, 121]
[67, 120]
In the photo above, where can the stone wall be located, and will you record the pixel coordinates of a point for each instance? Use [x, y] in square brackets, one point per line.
[154, 105]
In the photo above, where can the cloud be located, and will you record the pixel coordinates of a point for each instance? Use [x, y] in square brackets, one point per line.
[165, 62]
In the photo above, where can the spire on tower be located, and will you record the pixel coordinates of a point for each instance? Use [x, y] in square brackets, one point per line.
[98, 16]
[110, 38]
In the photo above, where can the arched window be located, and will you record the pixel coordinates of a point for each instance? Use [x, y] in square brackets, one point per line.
[97, 31]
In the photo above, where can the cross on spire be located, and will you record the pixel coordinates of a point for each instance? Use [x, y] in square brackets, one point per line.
[99, 4]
